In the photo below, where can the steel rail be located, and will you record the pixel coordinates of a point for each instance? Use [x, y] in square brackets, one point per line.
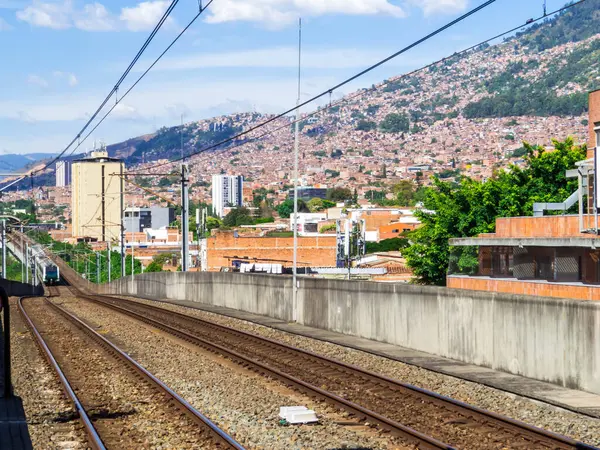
[389, 425]
[220, 438]
[93, 437]
[560, 441]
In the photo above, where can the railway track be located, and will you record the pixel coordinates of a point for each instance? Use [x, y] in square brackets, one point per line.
[119, 403]
[424, 418]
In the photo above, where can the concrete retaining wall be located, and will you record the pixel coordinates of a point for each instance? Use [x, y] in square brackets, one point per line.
[16, 289]
[547, 339]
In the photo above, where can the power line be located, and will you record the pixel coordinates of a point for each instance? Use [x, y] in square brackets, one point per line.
[363, 92]
[142, 76]
[343, 83]
[115, 89]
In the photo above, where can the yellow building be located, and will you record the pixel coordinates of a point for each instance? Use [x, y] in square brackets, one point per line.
[96, 197]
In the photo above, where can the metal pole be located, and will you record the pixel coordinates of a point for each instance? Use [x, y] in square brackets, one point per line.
[296, 147]
[181, 133]
[26, 263]
[185, 225]
[132, 249]
[4, 248]
[97, 267]
[122, 227]
[198, 231]
[108, 258]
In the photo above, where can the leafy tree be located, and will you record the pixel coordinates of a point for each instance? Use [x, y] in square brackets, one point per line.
[395, 123]
[339, 194]
[319, 204]
[213, 223]
[164, 182]
[387, 245]
[404, 191]
[470, 207]
[286, 208]
[237, 217]
[154, 267]
[365, 125]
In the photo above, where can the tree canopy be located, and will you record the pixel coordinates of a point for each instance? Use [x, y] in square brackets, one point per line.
[470, 207]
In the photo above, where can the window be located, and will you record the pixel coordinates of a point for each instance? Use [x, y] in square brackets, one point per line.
[396, 230]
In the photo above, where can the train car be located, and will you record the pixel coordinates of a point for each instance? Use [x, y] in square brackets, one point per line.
[48, 272]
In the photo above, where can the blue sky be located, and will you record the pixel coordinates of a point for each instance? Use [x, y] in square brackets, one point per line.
[60, 58]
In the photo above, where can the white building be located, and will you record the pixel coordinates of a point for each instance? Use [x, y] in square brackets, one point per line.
[63, 173]
[227, 191]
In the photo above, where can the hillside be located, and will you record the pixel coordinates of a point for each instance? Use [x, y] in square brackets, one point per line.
[467, 115]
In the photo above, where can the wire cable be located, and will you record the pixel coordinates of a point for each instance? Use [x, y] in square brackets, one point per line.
[383, 85]
[343, 83]
[115, 89]
[142, 76]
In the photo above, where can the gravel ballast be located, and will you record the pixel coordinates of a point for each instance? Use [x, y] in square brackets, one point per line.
[536, 413]
[51, 418]
[242, 403]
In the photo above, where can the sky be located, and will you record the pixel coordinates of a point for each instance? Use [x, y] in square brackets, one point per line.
[60, 58]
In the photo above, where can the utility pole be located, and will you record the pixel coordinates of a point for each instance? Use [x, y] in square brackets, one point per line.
[296, 147]
[198, 231]
[132, 248]
[122, 227]
[109, 268]
[4, 248]
[26, 263]
[97, 267]
[185, 211]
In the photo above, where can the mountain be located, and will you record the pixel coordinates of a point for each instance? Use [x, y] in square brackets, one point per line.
[467, 115]
[17, 163]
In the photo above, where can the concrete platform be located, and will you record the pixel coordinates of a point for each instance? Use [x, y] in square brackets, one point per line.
[574, 400]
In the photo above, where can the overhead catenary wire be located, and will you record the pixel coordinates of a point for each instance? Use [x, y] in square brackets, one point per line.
[158, 26]
[345, 82]
[142, 76]
[355, 95]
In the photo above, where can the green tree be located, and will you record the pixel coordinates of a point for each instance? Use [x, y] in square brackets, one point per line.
[365, 125]
[213, 223]
[339, 194]
[395, 123]
[470, 207]
[286, 208]
[319, 204]
[237, 217]
[404, 191]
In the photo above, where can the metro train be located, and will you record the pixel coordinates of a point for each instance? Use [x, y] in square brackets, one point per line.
[47, 271]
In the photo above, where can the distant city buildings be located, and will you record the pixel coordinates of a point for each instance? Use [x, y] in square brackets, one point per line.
[96, 197]
[227, 191]
[138, 220]
[63, 173]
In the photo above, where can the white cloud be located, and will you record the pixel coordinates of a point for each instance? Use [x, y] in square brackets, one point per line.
[431, 7]
[144, 16]
[283, 12]
[37, 81]
[69, 77]
[125, 111]
[94, 17]
[4, 25]
[49, 15]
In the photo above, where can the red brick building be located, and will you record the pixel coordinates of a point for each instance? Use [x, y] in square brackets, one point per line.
[554, 255]
[225, 246]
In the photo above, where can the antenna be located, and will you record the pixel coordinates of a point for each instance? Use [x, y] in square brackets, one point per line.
[545, 9]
